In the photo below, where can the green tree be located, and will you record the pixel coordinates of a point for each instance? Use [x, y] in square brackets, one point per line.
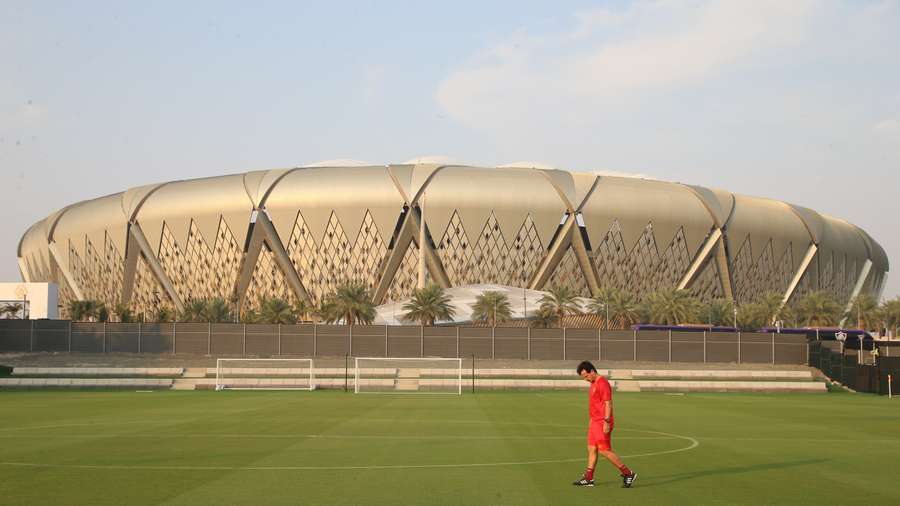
[546, 318]
[621, 306]
[123, 313]
[818, 309]
[276, 311]
[601, 303]
[428, 305]
[864, 312]
[890, 314]
[671, 306]
[351, 304]
[491, 307]
[717, 312]
[305, 311]
[163, 314]
[85, 310]
[216, 311]
[11, 310]
[561, 301]
[193, 311]
[250, 315]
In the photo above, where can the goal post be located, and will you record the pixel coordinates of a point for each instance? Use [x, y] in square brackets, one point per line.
[407, 375]
[265, 374]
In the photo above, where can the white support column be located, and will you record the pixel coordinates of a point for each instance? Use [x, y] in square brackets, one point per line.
[804, 265]
[857, 289]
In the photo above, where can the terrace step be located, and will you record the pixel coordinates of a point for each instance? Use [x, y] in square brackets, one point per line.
[627, 386]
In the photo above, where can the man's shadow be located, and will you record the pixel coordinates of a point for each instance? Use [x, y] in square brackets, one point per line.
[670, 478]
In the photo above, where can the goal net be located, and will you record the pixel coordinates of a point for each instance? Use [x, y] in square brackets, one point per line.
[265, 374]
[408, 375]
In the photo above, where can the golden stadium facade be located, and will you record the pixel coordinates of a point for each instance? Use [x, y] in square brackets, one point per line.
[299, 233]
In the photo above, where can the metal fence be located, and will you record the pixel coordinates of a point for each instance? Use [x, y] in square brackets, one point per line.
[308, 340]
[849, 367]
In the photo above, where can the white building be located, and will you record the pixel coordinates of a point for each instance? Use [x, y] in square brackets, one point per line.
[38, 299]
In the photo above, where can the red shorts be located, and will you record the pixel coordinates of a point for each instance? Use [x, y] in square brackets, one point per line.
[596, 436]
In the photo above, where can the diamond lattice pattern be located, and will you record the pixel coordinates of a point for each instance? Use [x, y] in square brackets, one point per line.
[489, 259]
[267, 281]
[198, 271]
[326, 264]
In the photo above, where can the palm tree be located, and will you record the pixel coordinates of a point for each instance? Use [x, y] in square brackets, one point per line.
[304, 311]
[351, 304]
[250, 315]
[276, 311]
[193, 311]
[671, 306]
[163, 314]
[546, 318]
[772, 308]
[216, 311]
[123, 312]
[818, 309]
[864, 310]
[85, 310]
[717, 312]
[491, 307]
[890, 313]
[11, 310]
[561, 300]
[601, 304]
[428, 305]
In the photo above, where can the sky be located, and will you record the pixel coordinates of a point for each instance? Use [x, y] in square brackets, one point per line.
[797, 101]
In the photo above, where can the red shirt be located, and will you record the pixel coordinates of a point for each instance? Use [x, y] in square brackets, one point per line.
[601, 393]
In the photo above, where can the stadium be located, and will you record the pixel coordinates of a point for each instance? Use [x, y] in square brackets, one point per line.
[299, 233]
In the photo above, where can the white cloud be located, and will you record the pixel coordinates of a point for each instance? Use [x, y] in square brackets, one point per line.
[609, 56]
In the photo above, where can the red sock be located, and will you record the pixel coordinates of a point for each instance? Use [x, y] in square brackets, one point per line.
[624, 470]
[589, 474]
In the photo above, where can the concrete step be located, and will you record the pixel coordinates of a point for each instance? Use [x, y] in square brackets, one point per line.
[627, 386]
[195, 372]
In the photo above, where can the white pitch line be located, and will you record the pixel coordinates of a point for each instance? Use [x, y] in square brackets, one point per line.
[694, 444]
[307, 436]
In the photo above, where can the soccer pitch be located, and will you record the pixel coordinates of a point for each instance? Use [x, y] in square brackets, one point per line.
[329, 447]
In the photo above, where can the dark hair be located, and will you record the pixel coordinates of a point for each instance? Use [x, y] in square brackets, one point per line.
[585, 366]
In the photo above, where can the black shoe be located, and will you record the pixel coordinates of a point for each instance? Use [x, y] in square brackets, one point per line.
[628, 480]
[583, 482]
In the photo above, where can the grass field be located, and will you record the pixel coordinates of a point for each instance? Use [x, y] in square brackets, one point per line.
[489, 448]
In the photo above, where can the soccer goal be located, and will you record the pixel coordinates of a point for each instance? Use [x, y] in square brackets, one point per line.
[265, 374]
[408, 375]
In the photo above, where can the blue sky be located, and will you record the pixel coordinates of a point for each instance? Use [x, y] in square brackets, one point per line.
[796, 100]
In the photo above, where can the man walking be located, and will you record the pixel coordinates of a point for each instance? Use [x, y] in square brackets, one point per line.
[600, 430]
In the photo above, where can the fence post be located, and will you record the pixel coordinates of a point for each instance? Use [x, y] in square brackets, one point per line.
[599, 347]
[31, 335]
[564, 343]
[174, 336]
[493, 342]
[528, 337]
[139, 337]
[351, 340]
[244, 341]
[279, 339]
[704, 346]
[634, 353]
[739, 347]
[104, 337]
[209, 339]
[386, 327]
[422, 341]
[315, 339]
[457, 341]
[70, 336]
[807, 354]
[773, 348]
[670, 346]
